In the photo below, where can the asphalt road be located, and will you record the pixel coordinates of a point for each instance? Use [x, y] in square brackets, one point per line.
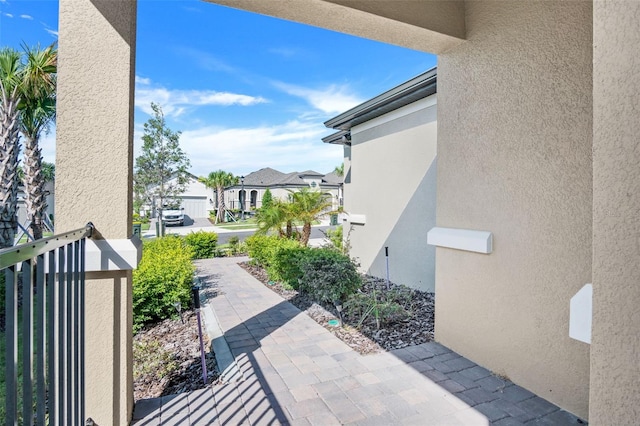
[223, 237]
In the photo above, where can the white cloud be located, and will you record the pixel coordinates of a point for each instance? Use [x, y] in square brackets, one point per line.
[332, 99]
[8, 15]
[176, 102]
[141, 80]
[285, 52]
[292, 146]
[204, 59]
[29, 17]
[52, 32]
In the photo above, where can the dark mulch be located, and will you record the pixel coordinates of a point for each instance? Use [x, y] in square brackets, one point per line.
[167, 358]
[413, 326]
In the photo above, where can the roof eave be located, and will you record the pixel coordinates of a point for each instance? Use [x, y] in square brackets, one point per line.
[410, 91]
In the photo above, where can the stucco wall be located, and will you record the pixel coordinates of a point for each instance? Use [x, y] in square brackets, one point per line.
[94, 163]
[393, 183]
[514, 158]
[615, 349]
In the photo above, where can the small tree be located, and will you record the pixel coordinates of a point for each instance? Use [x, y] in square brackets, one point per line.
[218, 181]
[161, 171]
[37, 111]
[309, 205]
[277, 215]
[267, 199]
[339, 170]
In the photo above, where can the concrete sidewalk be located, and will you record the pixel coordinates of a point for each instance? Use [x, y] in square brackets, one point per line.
[294, 371]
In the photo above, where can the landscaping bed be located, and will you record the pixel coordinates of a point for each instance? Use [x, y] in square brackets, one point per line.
[412, 326]
[167, 358]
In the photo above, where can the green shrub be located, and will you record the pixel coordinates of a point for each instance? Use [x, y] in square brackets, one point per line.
[335, 236]
[379, 305]
[329, 275]
[140, 219]
[234, 243]
[203, 244]
[288, 255]
[281, 257]
[267, 199]
[163, 277]
[151, 358]
[261, 248]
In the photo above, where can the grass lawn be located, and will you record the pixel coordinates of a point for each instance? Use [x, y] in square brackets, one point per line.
[250, 223]
[146, 226]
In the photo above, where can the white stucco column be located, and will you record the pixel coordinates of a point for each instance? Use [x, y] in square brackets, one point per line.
[94, 157]
[615, 377]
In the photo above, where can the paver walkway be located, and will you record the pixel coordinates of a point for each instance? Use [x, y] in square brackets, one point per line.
[296, 372]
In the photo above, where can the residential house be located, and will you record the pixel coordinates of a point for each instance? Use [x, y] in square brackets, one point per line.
[537, 146]
[390, 181]
[280, 185]
[196, 199]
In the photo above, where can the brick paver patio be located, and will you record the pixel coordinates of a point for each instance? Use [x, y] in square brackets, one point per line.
[293, 371]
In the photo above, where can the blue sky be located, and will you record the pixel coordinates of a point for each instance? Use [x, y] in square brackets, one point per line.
[246, 91]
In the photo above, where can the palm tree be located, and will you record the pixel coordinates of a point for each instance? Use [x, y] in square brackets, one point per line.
[10, 75]
[339, 170]
[37, 111]
[275, 216]
[218, 181]
[308, 206]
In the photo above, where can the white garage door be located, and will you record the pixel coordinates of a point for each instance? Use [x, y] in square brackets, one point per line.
[195, 207]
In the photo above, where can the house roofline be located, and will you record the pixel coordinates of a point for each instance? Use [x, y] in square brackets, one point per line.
[408, 92]
[341, 137]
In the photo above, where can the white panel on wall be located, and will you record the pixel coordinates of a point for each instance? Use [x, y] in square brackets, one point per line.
[356, 219]
[580, 314]
[461, 239]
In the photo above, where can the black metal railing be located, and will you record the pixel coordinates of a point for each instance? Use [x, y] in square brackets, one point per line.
[44, 330]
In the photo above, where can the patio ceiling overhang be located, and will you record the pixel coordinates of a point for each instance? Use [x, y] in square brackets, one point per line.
[426, 25]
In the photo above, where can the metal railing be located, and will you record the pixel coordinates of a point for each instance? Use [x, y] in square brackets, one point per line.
[44, 329]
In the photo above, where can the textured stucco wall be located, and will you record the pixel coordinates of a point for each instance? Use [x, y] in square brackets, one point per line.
[615, 349]
[94, 155]
[431, 26]
[95, 116]
[393, 183]
[514, 158]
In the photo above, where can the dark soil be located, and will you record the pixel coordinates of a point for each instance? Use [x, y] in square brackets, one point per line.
[167, 358]
[410, 325]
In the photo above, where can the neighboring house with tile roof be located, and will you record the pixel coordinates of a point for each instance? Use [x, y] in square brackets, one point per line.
[280, 184]
[390, 181]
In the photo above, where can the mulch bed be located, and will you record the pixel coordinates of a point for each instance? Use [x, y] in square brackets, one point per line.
[401, 331]
[167, 358]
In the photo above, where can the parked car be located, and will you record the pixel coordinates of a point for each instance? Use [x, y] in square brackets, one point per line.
[173, 215]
